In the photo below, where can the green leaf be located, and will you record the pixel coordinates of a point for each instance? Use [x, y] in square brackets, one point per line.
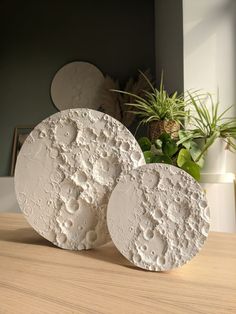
[183, 157]
[209, 142]
[169, 148]
[201, 161]
[195, 151]
[147, 80]
[187, 144]
[158, 144]
[231, 144]
[144, 143]
[192, 168]
[165, 137]
[162, 159]
[184, 136]
[148, 155]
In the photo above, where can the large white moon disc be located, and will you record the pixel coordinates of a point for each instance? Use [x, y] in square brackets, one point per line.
[65, 172]
[158, 217]
[77, 85]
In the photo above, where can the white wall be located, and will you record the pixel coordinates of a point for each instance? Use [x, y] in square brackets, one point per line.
[209, 28]
[8, 202]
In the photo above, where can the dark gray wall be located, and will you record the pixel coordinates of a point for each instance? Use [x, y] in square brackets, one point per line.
[38, 37]
[169, 43]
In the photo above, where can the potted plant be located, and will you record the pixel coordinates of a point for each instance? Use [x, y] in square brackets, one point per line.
[187, 147]
[166, 150]
[159, 110]
[214, 131]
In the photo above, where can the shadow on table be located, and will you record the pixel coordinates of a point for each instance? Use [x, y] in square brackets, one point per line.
[23, 235]
[107, 253]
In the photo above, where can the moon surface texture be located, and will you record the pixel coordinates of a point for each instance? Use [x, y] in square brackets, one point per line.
[158, 217]
[66, 171]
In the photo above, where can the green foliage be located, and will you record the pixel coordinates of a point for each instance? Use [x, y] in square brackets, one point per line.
[194, 150]
[148, 156]
[157, 104]
[145, 143]
[208, 124]
[162, 159]
[166, 150]
[183, 157]
[202, 123]
[168, 145]
[205, 125]
[192, 168]
[157, 143]
[169, 148]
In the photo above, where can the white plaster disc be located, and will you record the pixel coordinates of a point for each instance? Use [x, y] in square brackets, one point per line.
[65, 172]
[77, 85]
[158, 217]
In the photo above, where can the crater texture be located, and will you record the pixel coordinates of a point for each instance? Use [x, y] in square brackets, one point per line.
[65, 172]
[158, 217]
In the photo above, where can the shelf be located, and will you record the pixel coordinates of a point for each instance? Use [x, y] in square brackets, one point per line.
[217, 177]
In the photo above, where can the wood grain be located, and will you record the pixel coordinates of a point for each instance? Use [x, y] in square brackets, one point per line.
[36, 277]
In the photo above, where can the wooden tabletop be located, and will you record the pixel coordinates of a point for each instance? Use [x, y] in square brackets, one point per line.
[37, 277]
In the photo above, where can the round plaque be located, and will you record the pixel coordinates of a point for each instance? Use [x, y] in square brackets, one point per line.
[158, 217]
[65, 172]
[77, 85]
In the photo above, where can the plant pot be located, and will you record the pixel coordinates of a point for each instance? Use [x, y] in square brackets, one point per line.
[156, 128]
[215, 158]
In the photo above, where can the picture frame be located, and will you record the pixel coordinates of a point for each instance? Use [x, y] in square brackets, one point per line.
[19, 137]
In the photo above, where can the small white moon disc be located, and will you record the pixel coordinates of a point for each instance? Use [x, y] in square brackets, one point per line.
[65, 172]
[158, 217]
[77, 85]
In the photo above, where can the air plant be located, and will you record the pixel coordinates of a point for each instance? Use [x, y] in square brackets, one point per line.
[207, 123]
